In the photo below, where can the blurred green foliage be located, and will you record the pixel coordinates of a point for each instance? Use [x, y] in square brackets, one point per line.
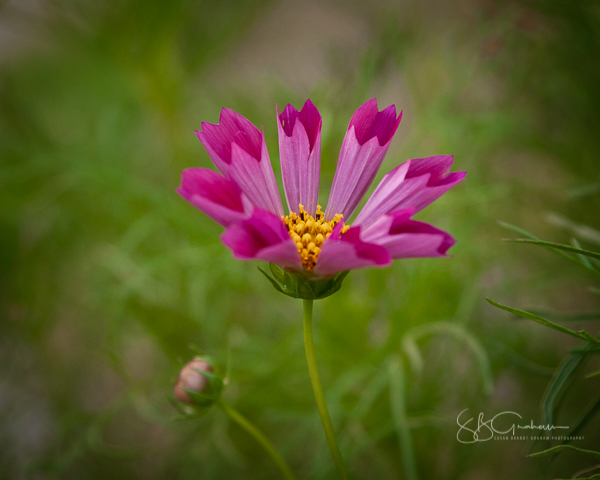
[107, 276]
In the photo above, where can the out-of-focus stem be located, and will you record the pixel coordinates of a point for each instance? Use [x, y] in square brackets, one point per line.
[398, 405]
[318, 391]
[243, 422]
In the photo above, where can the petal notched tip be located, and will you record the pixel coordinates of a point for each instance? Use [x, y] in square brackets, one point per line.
[437, 167]
[232, 128]
[369, 122]
[309, 116]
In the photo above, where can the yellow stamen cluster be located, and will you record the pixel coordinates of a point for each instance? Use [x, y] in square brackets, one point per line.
[310, 232]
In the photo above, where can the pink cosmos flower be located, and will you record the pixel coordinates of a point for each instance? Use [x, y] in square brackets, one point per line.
[244, 197]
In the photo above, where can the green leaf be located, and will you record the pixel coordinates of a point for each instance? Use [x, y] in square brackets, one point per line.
[556, 388]
[531, 236]
[582, 334]
[593, 374]
[585, 351]
[561, 448]
[567, 318]
[582, 258]
[559, 246]
[518, 230]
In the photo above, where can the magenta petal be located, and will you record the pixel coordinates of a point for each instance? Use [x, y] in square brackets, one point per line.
[348, 252]
[416, 183]
[361, 156]
[439, 181]
[216, 196]
[232, 128]
[309, 117]
[263, 236]
[420, 198]
[405, 238]
[300, 152]
[369, 122]
[437, 167]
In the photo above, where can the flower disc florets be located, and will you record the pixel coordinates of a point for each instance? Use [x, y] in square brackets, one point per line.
[309, 233]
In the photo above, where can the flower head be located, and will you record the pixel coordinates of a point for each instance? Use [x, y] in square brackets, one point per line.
[308, 241]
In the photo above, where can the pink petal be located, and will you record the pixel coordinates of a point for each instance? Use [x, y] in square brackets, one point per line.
[437, 166]
[309, 117]
[232, 128]
[263, 236]
[416, 183]
[369, 122]
[216, 196]
[405, 238]
[256, 178]
[239, 150]
[348, 252]
[300, 152]
[361, 156]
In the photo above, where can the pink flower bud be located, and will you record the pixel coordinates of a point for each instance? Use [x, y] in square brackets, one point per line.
[190, 378]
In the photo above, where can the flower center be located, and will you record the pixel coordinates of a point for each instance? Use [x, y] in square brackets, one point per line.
[309, 233]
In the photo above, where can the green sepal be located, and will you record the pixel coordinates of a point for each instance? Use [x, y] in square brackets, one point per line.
[297, 285]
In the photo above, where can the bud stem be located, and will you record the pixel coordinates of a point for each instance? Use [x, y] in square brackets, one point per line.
[318, 391]
[243, 422]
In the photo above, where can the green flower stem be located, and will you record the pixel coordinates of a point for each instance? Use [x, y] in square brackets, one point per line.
[243, 422]
[398, 404]
[318, 390]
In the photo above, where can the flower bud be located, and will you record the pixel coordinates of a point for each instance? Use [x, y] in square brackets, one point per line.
[194, 378]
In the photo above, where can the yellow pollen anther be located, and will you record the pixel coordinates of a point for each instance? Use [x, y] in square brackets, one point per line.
[309, 232]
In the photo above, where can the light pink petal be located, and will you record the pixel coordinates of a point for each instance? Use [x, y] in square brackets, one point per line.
[416, 183]
[218, 197]
[300, 152]
[367, 140]
[263, 236]
[405, 238]
[256, 178]
[347, 251]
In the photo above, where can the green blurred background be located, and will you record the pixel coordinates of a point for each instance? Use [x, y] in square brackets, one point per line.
[107, 276]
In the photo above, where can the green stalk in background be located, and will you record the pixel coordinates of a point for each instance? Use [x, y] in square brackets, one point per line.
[243, 422]
[318, 390]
